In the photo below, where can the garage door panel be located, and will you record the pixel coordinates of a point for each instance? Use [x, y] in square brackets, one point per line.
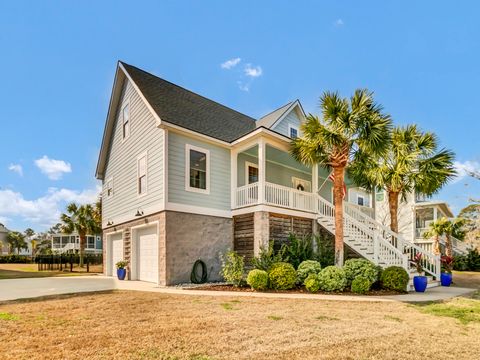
[147, 241]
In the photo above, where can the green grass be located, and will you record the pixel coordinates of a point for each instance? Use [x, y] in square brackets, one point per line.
[227, 306]
[274, 317]
[9, 317]
[325, 318]
[462, 309]
[393, 318]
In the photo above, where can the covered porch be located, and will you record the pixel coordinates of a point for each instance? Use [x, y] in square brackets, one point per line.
[427, 213]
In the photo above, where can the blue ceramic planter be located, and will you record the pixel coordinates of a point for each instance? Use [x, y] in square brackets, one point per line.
[121, 274]
[446, 279]
[420, 283]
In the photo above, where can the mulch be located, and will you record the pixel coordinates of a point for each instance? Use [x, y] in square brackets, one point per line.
[299, 290]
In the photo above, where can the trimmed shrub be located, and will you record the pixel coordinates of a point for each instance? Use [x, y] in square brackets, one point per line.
[267, 257]
[306, 268]
[257, 279]
[282, 276]
[332, 278]
[360, 285]
[15, 259]
[360, 267]
[233, 268]
[395, 278]
[312, 283]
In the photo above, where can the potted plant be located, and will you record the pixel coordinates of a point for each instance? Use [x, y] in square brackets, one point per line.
[419, 281]
[447, 267]
[121, 269]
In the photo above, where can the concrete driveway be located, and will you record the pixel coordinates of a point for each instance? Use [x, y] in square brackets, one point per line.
[36, 287]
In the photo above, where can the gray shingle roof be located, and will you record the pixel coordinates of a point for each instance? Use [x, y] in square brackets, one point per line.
[184, 108]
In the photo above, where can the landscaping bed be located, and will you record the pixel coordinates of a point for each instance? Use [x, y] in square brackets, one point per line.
[298, 290]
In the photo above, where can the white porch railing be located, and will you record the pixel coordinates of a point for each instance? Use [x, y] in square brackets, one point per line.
[365, 209]
[246, 195]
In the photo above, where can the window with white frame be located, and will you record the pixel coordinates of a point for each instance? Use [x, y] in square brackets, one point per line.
[90, 242]
[292, 131]
[142, 174]
[251, 173]
[126, 121]
[197, 167]
[109, 188]
[360, 200]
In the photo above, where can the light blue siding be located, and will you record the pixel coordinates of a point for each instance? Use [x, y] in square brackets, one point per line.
[122, 159]
[291, 119]
[219, 196]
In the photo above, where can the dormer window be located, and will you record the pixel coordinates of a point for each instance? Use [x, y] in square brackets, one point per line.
[292, 131]
[126, 121]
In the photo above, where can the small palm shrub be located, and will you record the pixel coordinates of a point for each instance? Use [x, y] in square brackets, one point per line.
[332, 278]
[306, 268]
[395, 278]
[360, 267]
[267, 257]
[233, 268]
[360, 285]
[282, 276]
[257, 279]
[297, 249]
[312, 283]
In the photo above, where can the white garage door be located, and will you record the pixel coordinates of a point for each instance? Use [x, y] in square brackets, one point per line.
[117, 251]
[147, 241]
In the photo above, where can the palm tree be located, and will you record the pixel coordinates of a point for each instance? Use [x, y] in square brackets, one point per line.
[412, 163]
[81, 219]
[348, 128]
[452, 228]
[436, 229]
[16, 240]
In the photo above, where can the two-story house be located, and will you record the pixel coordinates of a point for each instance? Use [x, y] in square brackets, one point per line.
[186, 178]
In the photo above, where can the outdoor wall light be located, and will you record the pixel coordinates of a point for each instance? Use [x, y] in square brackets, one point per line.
[109, 223]
[139, 212]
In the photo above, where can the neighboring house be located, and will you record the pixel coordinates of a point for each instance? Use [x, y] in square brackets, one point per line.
[186, 178]
[4, 247]
[63, 243]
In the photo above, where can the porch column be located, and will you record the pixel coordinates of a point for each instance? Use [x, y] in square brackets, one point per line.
[233, 177]
[435, 214]
[315, 178]
[261, 170]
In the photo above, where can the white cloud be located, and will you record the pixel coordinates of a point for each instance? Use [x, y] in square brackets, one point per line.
[44, 210]
[230, 63]
[16, 168]
[243, 86]
[464, 168]
[54, 169]
[339, 22]
[253, 71]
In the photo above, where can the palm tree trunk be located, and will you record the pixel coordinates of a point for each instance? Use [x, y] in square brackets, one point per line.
[338, 173]
[393, 207]
[436, 245]
[448, 245]
[82, 249]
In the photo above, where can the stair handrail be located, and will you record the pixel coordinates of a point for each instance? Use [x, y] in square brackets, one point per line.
[430, 262]
[366, 229]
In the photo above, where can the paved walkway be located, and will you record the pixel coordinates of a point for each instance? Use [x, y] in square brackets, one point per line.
[36, 287]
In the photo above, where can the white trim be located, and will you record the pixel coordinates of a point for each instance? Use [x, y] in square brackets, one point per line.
[191, 209]
[189, 147]
[134, 249]
[288, 111]
[274, 209]
[233, 175]
[247, 165]
[290, 127]
[108, 251]
[165, 167]
[130, 215]
[137, 178]
[193, 134]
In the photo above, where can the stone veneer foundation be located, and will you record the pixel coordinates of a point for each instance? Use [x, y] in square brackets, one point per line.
[183, 239]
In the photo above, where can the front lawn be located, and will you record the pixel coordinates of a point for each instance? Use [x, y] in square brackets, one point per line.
[17, 271]
[136, 325]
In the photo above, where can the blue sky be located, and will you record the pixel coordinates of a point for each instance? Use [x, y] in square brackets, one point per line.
[58, 60]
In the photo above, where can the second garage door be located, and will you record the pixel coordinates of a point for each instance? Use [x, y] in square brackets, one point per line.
[147, 242]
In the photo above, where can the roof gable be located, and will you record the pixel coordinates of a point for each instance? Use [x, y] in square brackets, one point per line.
[272, 119]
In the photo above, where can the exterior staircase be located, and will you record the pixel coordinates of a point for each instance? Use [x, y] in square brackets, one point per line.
[376, 242]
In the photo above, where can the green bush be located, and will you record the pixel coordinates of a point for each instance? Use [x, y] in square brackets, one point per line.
[306, 268]
[468, 262]
[312, 283]
[360, 267]
[282, 276]
[395, 278]
[332, 278]
[233, 268]
[267, 258]
[297, 250]
[15, 259]
[361, 284]
[257, 279]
